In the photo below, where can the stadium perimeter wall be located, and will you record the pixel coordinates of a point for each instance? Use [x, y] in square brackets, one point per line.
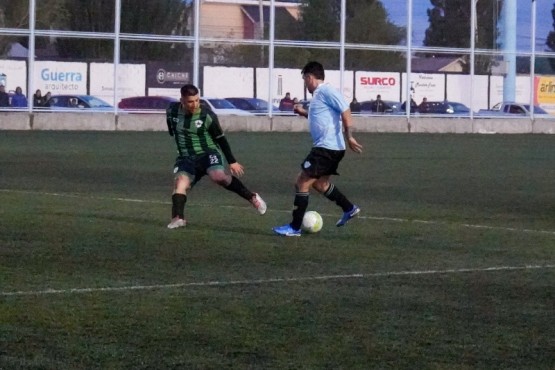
[156, 122]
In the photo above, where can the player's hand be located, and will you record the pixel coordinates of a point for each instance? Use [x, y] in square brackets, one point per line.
[354, 145]
[237, 169]
[298, 108]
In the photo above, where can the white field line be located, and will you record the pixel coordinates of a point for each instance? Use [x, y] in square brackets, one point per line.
[375, 218]
[220, 283]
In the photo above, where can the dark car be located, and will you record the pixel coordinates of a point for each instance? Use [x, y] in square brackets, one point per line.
[368, 106]
[146, 102]
[78, 102]
[443, 107]
[253, 105]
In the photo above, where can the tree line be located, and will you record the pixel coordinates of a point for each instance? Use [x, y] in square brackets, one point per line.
[367, 20]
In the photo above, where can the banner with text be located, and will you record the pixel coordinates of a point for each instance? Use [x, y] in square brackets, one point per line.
[368, 85]
[544, 88]
[60, 77]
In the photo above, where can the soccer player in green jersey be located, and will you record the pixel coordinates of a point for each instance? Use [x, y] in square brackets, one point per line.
[202, 150]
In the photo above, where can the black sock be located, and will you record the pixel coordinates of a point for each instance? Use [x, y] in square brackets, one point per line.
[178, 205]
[301, 204]
[238, 188]
[336, 196]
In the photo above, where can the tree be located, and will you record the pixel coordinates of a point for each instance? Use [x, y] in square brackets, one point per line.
[49, 14]
[550, 42]
[450, 27]
[15, 14]
[167, 17]
[320, 21]
[162, 17]
[379, 31]
[286, 28]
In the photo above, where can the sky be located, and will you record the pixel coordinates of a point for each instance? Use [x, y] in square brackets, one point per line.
[544, 20]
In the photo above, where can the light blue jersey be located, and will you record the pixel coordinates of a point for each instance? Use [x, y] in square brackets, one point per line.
[324, 117]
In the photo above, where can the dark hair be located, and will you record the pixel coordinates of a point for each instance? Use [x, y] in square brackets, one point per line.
[189, 90]
[315, 69]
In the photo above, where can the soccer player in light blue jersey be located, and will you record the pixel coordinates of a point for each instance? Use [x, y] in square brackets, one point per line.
[330, 121]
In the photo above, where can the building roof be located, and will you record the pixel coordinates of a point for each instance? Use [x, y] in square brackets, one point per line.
[253, 12]
[437, 64]
[18, 51]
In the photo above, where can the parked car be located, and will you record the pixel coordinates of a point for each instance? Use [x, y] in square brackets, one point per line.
[392, 106]
[253, 105]
[78, 102]
[443, 107]
[222, 107]
[217, 105]
[146, 103]
[511, 109]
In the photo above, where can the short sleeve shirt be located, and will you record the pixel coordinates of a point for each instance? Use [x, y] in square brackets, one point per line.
[324, 117]
[195, 133]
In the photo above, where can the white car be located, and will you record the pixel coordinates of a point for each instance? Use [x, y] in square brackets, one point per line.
[222, 107]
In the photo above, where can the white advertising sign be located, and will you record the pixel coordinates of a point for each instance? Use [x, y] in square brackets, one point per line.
[227, 82]
[425, 85]
[60, 77]
[459, 88]
[290, 80]
[13, 73]
[131, 81]
[370, 84]
[284, 80]
[334, 79]
[522, 89]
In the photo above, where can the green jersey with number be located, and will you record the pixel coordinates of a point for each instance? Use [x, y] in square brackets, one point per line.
[195, 134]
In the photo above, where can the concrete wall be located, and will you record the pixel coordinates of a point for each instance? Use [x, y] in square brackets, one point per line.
[157, 122]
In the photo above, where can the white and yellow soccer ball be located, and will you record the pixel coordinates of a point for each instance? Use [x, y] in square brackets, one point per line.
[312, 222]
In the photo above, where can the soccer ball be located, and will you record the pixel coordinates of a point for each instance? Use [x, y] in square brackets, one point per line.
[312, 222]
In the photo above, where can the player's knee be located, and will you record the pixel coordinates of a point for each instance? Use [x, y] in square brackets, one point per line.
[182, 184]
[221, 178]
[320, 186]
[302, 184]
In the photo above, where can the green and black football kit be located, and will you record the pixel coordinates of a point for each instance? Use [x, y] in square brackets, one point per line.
[200, 141]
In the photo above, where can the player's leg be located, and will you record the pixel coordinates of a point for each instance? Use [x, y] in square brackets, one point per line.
[184, 177]
[217, 173]
[330, 191]
[310, 171]
[300, 205]
[302, 196]
[327, 163]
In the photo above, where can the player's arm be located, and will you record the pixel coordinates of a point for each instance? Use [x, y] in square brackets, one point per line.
[169, 117]
[347, 120]
[215, 130]
[298, 108]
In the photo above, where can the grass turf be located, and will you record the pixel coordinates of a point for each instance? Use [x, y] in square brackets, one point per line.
[407, 285]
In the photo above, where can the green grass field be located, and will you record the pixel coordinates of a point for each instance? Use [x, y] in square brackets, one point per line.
[451, 264]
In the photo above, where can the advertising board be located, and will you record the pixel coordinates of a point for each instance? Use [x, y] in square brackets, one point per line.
[60, 77]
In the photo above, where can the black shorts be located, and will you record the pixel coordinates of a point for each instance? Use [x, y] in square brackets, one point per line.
[195, 167]
[322, 162]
